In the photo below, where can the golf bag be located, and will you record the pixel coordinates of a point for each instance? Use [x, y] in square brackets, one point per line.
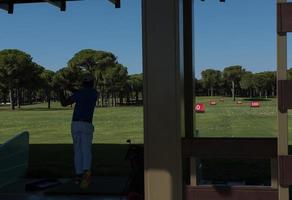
[135, 185]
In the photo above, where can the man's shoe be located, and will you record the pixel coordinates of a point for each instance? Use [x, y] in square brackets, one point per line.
[85, 182]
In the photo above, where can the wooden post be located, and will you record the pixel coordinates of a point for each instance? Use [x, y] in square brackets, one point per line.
[188, 67]
[282, 117]
[163, 100]
[193, 172]
[190, 167]
[274, 173]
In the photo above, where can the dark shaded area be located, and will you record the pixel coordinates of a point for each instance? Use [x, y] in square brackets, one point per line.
[256, 99]
[225, 193]
[230, 147]
[44, 109]
[99, 186]
[56, 160]
[221, 171]
[234, 171]
[135, 156]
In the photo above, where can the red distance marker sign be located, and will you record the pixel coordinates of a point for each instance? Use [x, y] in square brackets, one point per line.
[255, 104]
[200, 108]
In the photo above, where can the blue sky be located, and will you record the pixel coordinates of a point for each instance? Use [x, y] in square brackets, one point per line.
[236, 32]
[53, 37]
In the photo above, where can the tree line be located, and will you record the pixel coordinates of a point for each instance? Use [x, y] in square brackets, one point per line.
[23, 81]
[237, 81]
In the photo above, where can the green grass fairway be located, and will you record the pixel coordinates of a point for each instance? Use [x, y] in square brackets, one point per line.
[115, 125]
[112, 125]
[229, 119]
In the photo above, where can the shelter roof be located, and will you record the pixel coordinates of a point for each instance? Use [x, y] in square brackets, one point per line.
[8, 5]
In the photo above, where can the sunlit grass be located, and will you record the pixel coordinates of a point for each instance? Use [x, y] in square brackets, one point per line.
[229, 119]
[117, 124]
[112, 125]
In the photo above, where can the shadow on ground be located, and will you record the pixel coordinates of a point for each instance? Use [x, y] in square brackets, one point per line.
[56, 160]
[256, 99]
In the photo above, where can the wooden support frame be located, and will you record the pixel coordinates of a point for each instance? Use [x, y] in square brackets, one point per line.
[284, 96]
[9, 7]
[284, 17]
[231, 193]
[188, 67]
[274, 173]
[283, 192]
[163, 111]
[188, 16]
[117, 3]
[59, 3]
[229, 147]
[285, 164]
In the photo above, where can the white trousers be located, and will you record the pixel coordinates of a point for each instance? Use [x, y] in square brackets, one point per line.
[82, 134]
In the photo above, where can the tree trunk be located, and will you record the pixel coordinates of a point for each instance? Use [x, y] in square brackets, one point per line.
[49, 99]
[131, 96]
[266, 94]
[29, 97]
[121, 98]
[102, 100]
[11, 98]
[142, 93]
[212, 90]
[233, 91]
[97, 102]
[112, 99]
[115, 99]
[4, 99]
[18, 96]
[128, 97]
[137, 97]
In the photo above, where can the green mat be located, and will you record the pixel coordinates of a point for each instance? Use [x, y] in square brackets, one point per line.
[99, 186]
[14, 158]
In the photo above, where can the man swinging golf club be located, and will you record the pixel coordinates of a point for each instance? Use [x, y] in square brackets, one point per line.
[82, 128]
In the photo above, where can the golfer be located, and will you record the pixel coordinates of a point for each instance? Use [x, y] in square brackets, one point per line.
[82, 128]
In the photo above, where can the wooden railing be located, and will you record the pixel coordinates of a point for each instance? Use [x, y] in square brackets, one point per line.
[233, 148]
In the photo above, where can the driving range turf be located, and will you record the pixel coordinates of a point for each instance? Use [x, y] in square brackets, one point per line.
[115, 125]
[50, 138]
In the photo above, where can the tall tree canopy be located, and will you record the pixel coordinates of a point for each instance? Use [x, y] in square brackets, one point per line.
[247, 82]
[233, 76]
[15, 68]
[211, 78]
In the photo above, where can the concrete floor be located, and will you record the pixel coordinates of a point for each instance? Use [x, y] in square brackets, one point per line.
[16, 191]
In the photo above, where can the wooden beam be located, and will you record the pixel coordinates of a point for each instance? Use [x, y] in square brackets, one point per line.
[231, 193]
[229, 147]
[60, 4]
[117, 3]
[285, 177]
[284, 96]
[163, 111]
[282, 117]
[188, 68]
[284, 17]
[274, 173]
[9, 7]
